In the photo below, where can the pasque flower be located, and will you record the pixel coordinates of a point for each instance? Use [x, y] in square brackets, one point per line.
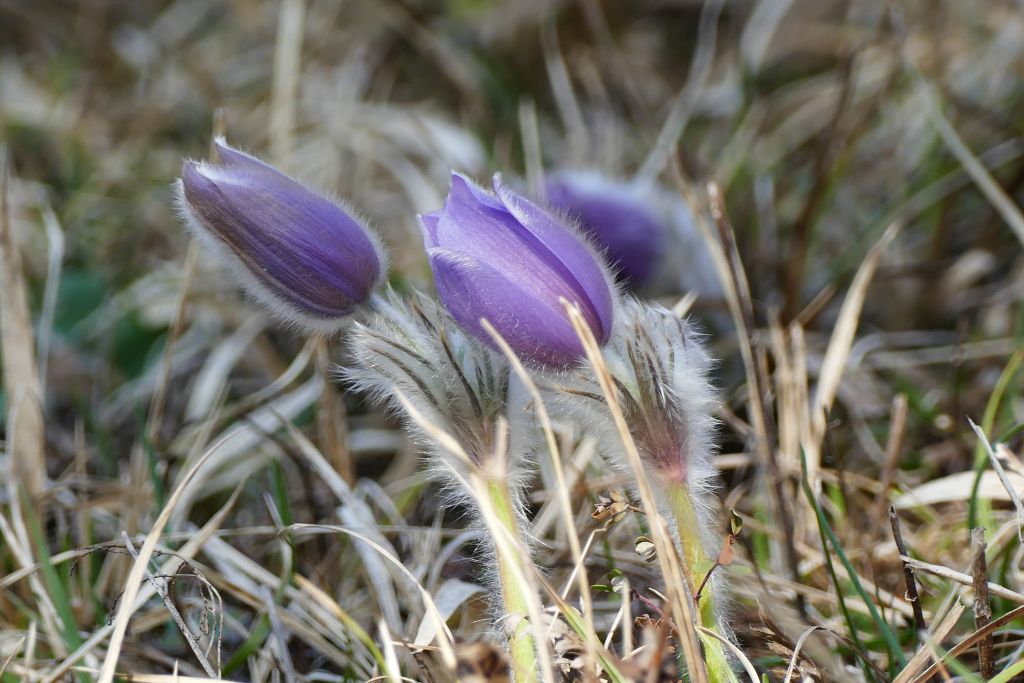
[303, 255]
[502, 257]
[616, 215]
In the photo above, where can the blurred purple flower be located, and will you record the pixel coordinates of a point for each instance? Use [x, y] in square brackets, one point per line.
[301, 254]
[508, 260]
[618, 217]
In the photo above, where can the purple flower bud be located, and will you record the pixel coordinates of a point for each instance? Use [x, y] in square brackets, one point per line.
[301, 254]
[508, 260]
[617, 216]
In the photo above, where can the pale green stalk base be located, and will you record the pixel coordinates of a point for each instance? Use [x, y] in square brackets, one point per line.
[697, 565]
[520, 642]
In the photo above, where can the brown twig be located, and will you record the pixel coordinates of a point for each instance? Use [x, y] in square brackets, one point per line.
[649, 604]
[893, 449]
[332, 418]
[982, 608]
[707, 577]
[908, 575]
[968, 642]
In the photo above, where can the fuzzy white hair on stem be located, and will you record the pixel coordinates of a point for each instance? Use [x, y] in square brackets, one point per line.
[661, 372]
[472, 417]
[458, 384]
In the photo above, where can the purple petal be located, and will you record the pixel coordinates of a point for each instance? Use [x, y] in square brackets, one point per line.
[507, 247]
[244, 162]
[530, 320]
[302, 247]
[567, 253]
[465, 192]
[429, 223]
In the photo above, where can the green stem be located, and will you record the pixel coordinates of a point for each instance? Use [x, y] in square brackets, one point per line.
[521, 646]
[697, 564]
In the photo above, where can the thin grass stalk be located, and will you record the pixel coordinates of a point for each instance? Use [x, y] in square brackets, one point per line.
[975, 505]
[127, 606]
[737, 294]
[169, 568]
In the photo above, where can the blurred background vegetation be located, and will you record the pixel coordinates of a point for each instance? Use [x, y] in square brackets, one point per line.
[822, 121]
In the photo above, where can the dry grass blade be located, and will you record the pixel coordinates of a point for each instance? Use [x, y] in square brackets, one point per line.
[532, 157]
[172, 608]
[1004, 478]
[734, 282]
[686, 100]
[188, 551]
[893, 450]
[924, 653]
[54, 261]
[159, 399]
[26, 438]
[391, 670]
[957, 487]
[132, 585]
[561, 88]
[965, 644]
[154, 678]
[444, 636]
[332, 420]
[15, 534]
[355, 513]
[279, 641]
[995, 194]
[10, 656]
[287, 65]
[836, 357]
[796, 651]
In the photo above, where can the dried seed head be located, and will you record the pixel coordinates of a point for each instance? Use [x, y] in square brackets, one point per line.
[611, 508]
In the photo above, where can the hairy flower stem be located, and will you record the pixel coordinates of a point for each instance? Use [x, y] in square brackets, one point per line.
[697, 563]
[520, 641]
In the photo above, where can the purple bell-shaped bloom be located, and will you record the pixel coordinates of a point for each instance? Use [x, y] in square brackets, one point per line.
[617, 216]
[504, 258]
[308, 259]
